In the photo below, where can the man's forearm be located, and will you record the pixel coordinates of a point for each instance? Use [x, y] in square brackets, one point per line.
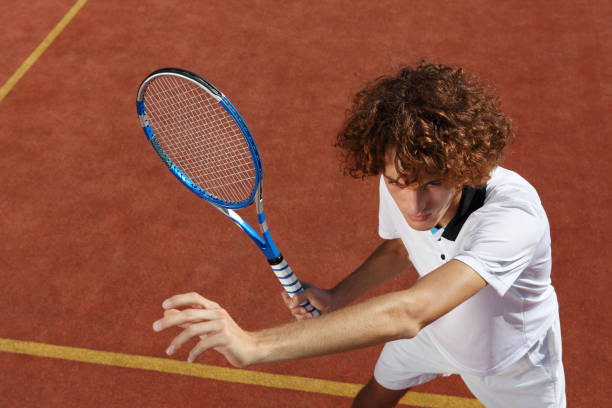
[383, 318]
[380, 319]
[386, 262]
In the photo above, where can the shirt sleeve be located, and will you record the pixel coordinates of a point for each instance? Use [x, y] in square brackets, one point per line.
[502, 243]
[386, 227]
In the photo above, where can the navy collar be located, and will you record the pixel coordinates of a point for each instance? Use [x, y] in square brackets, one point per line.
[471, 200]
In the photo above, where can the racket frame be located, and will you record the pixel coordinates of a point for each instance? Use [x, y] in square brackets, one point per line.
[264, 241]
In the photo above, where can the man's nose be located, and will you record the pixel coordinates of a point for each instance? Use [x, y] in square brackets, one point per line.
[414, 201]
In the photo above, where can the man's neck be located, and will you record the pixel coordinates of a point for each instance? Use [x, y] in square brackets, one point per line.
[452, 210]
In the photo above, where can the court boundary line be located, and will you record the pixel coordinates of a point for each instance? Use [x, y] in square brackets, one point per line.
[40, 49]
[233, 375]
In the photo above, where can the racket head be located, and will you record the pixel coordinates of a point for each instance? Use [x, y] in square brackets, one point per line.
[200, 136]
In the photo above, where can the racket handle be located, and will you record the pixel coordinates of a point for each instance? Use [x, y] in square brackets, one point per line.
[290, 282]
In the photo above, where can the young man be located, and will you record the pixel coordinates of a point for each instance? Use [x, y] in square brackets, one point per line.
[483, 306]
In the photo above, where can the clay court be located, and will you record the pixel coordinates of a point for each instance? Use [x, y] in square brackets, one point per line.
[95, 233]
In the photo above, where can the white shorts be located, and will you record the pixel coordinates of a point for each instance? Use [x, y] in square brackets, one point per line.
[536, 380]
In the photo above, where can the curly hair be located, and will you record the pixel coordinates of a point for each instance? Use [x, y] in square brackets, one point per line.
[439, 121]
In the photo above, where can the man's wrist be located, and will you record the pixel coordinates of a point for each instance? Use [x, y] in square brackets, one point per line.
[261, 351]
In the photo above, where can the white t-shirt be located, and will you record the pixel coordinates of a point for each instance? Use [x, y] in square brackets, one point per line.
[502, 233]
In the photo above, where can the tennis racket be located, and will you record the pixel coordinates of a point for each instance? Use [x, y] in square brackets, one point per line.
[202, 139]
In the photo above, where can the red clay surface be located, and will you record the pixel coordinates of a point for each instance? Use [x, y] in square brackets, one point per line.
[95, 233]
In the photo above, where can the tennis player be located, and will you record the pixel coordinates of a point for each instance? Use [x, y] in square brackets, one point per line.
[476, 233]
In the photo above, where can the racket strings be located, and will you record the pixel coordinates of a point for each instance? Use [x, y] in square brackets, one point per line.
[186, 124]
[216, 123]
[201, 138]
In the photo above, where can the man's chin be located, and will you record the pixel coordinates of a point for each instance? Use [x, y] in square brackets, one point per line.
[425, 225]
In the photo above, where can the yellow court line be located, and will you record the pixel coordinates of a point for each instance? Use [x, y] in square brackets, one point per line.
[21, 71]
[233, 375]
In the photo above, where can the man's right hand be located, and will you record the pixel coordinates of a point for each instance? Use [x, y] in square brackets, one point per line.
[321, 299]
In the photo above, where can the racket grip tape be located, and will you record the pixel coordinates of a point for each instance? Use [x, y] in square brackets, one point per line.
[290, 282]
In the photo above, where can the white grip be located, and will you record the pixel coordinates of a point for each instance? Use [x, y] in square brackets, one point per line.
[292, 284]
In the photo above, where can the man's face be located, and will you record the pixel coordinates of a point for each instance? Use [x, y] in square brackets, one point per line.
[425, 204]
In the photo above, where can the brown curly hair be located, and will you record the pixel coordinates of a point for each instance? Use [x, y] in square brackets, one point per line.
[440, 122]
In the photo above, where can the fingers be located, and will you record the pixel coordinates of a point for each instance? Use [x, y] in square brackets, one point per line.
[299, 312]
[191, 299]
[196, 323]
[204, 319]
[205, 344]
[174, 311]
[292, 301]
[169, 312]
[184, 318]
[204, 330]
[286, 298]
[222, 344]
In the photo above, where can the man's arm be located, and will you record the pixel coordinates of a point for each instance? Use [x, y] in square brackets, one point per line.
[387, 261]
[383, 318]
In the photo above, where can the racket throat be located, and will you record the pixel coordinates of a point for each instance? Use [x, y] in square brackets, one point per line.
[265, 243]
[270, 250]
